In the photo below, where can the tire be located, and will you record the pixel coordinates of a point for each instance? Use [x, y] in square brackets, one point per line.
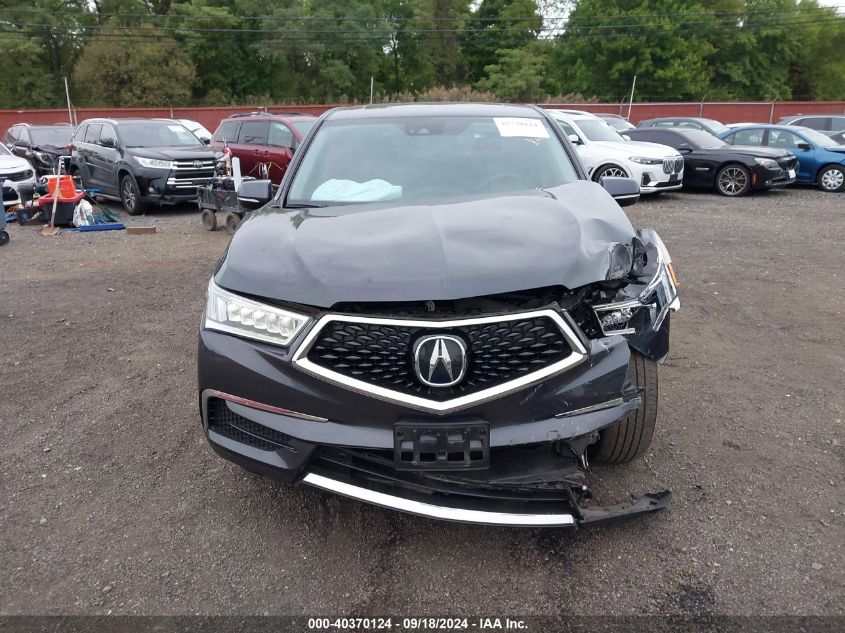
[4, 237]
[614, 171]
[130, 196]
[628, 439]
[233, 220]
[832, 178]
[209, 220]
[733, 180]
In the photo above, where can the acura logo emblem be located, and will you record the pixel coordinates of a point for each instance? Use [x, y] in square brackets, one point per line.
[440, 360]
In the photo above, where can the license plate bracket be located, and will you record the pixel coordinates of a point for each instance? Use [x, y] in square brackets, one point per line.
[673, 178]
[441, 447]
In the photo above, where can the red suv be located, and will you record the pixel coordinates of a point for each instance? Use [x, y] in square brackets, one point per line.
[263, 138]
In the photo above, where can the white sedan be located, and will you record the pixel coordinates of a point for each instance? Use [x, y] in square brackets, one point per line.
[14, 172]
[604, 152]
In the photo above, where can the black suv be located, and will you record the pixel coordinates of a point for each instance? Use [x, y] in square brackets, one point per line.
[141, 161]
[439, 313]
[41, 145]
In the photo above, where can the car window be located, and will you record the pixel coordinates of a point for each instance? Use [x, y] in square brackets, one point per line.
[567, 129]
[92, 135]
[108, 133]
[280, 135]
[13, 134]
[381, 159]
[253, 133]
[58, 136]
[837, 123]
[664, 123]
[813, 122]
[157, 134]
[700, 139]
[228, 131]
[746, 137]
[690, 124]
[782, 138]
[302, 127]
[79, 135]
[598, 130]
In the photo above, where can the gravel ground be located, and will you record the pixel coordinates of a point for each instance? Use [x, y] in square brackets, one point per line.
[110, 501]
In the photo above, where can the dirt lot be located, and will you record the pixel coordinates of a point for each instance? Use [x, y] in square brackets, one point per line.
[110, 501]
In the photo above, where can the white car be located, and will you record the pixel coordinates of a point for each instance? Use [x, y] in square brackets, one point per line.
[198, 129]
[14, 171]
[604, 152]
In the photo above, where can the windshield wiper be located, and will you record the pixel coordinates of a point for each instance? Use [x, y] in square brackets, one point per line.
[305, 205]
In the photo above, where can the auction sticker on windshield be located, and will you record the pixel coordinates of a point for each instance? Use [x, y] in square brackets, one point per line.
[525, 128]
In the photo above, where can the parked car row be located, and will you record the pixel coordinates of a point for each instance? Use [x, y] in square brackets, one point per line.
[732, 159]
[143, 162]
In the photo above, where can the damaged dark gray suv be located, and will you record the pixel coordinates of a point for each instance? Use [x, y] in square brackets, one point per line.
[439, 313]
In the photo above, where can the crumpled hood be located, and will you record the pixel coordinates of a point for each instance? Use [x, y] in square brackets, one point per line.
[374, 252]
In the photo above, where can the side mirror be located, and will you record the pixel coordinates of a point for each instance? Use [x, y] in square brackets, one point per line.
[685, 148]
[21, 145]
[206, 141]
[626, 191]
[804, 146]
[107, 142]
[254, 194]
[575, 139]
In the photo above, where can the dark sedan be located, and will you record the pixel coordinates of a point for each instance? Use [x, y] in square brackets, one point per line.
[733, 171]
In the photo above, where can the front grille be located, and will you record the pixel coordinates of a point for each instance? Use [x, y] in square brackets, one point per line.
[227, 423]
[17, 176]
[673, 164]
[381, 354]
[679, 164]
[191, 170]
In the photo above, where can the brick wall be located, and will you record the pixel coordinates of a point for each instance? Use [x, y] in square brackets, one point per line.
[728, 112]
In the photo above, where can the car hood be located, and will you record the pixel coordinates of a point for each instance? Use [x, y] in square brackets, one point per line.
[55, 150]
[192, 152]
[749, 150]
[839, 149]
[10, 164]
[469, 248]
[639, 148]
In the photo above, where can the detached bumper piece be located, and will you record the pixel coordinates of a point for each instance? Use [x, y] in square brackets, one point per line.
[519, 503]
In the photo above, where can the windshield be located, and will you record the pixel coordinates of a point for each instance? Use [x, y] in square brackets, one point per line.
[620, 125]
[155, 134]
[598, 130]
[302, 127]
[414, 159]
[4, 151]
[817, 138]
[60, 136]
[716, 126]
[702, 139]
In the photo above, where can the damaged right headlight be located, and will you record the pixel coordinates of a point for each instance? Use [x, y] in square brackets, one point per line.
[658, 296]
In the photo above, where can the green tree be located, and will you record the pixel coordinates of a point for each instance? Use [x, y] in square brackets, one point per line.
[519, 75]
[498, 25]
[133, 73]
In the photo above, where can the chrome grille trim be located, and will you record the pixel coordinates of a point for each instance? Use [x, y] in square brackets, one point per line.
[300, 360]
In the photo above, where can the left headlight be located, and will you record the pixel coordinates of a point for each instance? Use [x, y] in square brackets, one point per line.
[645, 160]
[154, 163]
[44, 157]
[659, 296]
[233, 314]
[768, 163]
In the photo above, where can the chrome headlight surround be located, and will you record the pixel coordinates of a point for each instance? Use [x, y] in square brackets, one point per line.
[659, 296]
[154, 163]
[234, 314]
[645, 160]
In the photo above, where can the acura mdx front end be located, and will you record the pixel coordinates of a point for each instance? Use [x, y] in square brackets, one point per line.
[452, 323]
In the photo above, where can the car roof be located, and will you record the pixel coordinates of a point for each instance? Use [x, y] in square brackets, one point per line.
[607, 115]
[436, 109]
[119, 121]
[681, 118]
[290, 116]
[39, 125]
[573, 115]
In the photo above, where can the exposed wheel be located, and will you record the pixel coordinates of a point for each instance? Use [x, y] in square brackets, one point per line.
[232, 222]
[209, 220]
[629, 438]
[4, 237]
[733, 180]
[614, 171]
[130, 196]
[832, 178]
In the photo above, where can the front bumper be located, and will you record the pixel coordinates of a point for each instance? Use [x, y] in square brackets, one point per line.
[159, 186]
[10, 190]
[300, 428]
[764, 178]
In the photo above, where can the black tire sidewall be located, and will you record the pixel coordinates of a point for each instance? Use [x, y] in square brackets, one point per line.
[138, 209]
[597, 176]
[841, 187]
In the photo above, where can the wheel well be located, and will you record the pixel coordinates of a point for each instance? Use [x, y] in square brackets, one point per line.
[825, 166]
[120, 174]
[604, 166]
